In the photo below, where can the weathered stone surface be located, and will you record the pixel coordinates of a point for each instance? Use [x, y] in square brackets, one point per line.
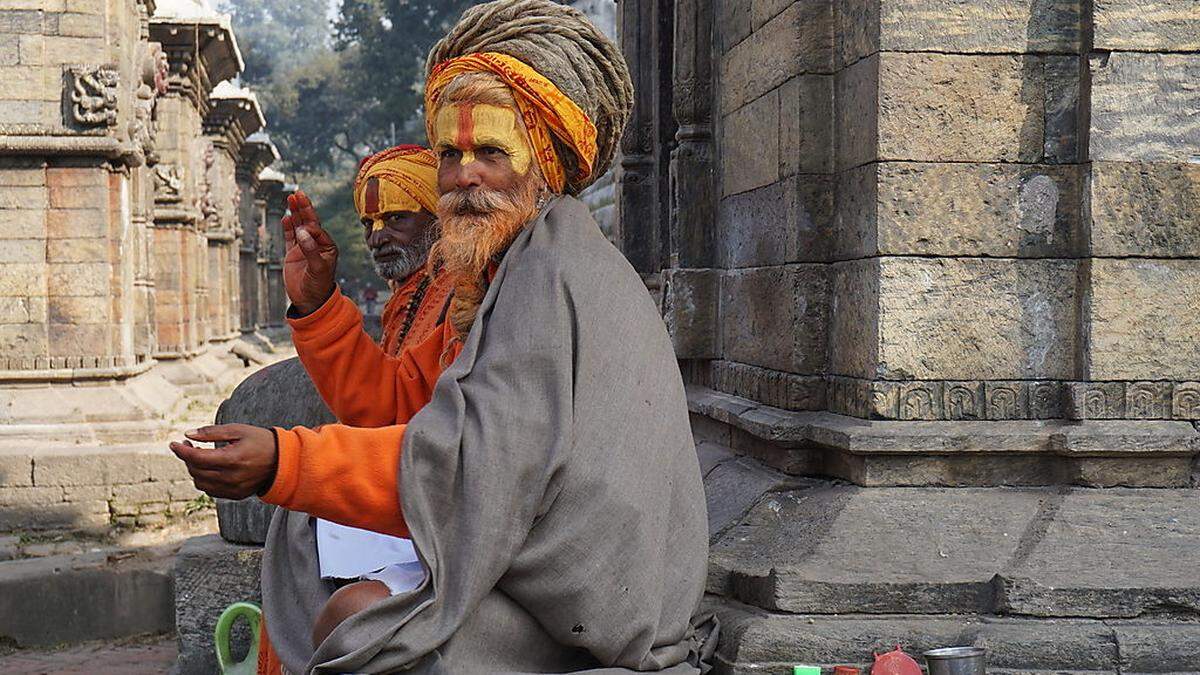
[941, 107]
[976, 319]
[819, 550]
[733, 22]
[1110, 553]
[16, 470]
[1145, 209]
[57, 599]
[211, 574]
[946, 107]
[799, 40]
[775, 317]
[964, 26]
[785, 222]
[281, 394]
[1142, 319]
[988, 26]
[854, 318]
[856, 32]
[734, 485]
[750, 146]
[1134, 25]
[1157, 647]
[856, 114]
[959, 209]
[806, 125]
[770, 387]
[1143, 107]
[691, 309]
[754, 641]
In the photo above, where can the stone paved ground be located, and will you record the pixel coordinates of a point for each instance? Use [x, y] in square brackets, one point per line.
[151, 655]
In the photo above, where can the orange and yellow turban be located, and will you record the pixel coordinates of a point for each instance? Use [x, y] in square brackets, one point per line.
[403, 178]
[546, 111]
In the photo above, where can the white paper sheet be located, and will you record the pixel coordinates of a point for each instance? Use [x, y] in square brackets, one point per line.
[349, 553]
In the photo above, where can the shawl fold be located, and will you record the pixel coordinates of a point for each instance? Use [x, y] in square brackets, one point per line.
[551, 487]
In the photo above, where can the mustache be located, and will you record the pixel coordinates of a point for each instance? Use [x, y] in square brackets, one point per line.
[477, 201]
[391, 249]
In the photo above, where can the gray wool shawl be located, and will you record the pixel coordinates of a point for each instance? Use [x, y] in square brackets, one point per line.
[551, 487]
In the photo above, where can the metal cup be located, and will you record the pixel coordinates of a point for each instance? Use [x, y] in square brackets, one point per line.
[956, 661]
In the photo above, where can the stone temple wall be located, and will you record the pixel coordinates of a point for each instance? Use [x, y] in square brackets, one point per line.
[930, 267]
[932, 210]
[125, 155]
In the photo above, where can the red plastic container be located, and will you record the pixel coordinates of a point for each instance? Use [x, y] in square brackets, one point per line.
[895, 663]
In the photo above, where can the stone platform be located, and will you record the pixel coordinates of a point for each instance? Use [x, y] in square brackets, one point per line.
[1059, 579]
[881, 453]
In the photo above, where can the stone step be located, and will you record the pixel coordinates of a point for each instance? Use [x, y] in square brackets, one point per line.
[755, 641]
[1072, 552]
[104, 594]
[884, 453]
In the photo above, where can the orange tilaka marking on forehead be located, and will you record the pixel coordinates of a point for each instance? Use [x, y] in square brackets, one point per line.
[466, 126]
[372, 196]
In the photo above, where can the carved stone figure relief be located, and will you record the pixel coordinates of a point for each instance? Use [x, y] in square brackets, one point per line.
[93, 95]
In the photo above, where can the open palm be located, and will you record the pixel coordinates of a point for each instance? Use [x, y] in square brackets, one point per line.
[310, 260]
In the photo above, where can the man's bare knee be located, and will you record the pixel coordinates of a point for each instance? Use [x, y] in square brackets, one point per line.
[346, 602]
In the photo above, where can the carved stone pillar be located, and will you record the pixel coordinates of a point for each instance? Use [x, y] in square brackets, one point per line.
[257, 154]
[643, 182]
[201, 52]
[693, 179]
[273, 190]
[234, 120]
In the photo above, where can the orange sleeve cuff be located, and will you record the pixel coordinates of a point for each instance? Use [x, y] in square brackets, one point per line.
[332, 320]
[287, 469]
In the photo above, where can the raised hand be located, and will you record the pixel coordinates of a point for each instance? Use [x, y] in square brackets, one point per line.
[243, 467]
[310, 260]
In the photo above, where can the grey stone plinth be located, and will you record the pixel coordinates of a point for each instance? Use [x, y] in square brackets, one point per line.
[1094, 453]
[245, 521]
[753, 641]
[210, 575]
[92, 596]
[280, 395]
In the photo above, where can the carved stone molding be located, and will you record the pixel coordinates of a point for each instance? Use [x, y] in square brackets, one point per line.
[1014, 400]
[92, 92]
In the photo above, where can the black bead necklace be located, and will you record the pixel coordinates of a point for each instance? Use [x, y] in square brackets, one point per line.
[410, 313]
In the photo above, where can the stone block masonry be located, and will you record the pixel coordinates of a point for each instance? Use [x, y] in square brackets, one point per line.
[93, 489]
[988, 198]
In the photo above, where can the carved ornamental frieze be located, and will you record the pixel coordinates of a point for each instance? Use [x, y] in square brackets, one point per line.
[93, 93]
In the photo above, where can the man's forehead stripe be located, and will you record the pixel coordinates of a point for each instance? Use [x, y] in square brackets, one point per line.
[466, 124]
[372, 195]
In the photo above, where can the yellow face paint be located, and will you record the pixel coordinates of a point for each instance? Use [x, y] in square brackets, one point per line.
[378, 197]
[468, 127]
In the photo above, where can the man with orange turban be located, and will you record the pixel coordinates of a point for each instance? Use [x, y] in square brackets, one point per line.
[541, 460]
[395, 194]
